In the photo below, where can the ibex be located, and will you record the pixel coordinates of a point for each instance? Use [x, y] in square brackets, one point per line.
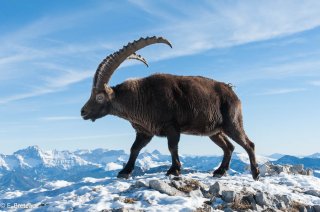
[167, 105]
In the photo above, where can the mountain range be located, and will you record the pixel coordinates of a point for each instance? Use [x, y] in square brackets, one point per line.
[32, 167]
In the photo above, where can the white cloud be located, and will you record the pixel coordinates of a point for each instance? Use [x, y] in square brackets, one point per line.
[21, 49]
[51, 85]
[68, 78]
[30, 94]
[194, 28]
[290, 68]
[282, 91]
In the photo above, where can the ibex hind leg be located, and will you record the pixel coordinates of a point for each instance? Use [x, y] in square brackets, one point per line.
[223, 142]
[238, 135]
[233, 128]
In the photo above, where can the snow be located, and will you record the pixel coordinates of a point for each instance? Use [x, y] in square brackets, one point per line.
[106, 194]
[85, 180]
[12, 194]
[245, 158]
[148, 162]
[3, 163]
[57, 184]
[113, 166]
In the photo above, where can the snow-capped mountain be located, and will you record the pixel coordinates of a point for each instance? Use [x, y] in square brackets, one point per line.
[315, 155]
[276, 156]
[313, 163]
[245, 158]
[50, 179]
[41, 166]
[34, 157]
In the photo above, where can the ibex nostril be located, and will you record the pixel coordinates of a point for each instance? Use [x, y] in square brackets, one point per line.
[83, 112]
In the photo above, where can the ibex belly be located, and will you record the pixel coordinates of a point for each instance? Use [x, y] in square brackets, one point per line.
[202, 123]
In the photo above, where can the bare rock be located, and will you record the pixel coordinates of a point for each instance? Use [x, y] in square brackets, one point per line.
[281, 205]
[297, 169]
[316, 208]
[228, 196]
[279, 199]
[273, 169]
[313, 192]
[205, 208]
[178, 184]
[117, 210]
[196, 194]
[262, 199]
[309, 208]
[216, 189]
[165, 188]
[140, 183]
[227, 210]
[309, 172]
[264, 169]
[282, 169]
[249, 199]
[302, 208]
[285, 199]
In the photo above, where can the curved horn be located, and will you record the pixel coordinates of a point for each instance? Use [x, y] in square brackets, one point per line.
[135, 56]
[113, 61]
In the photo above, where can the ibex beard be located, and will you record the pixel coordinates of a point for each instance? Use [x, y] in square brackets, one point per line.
[168, 105]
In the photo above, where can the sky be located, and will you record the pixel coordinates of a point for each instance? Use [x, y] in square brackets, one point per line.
[269, 50]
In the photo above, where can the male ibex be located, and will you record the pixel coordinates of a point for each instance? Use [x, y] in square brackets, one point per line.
[168, 105]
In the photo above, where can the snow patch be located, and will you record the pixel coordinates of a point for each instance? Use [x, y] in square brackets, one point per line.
[113, 166]
[57, 184]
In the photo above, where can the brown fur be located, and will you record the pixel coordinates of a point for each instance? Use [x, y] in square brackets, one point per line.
[168, 105]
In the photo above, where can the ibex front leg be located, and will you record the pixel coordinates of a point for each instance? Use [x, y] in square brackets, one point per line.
[173, 140]
[141, 141]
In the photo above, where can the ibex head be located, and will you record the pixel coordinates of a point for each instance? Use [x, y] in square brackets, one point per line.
[102, 94]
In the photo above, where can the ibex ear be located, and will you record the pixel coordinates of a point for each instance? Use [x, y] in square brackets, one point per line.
[109, 91]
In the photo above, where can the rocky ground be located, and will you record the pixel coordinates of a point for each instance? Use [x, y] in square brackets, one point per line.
[85, 180]
[276, 190]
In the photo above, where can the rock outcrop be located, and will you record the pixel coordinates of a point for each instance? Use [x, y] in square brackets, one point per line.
[269, 169]
[224, 196]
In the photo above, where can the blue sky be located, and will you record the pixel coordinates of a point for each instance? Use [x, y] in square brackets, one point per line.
[49, 52]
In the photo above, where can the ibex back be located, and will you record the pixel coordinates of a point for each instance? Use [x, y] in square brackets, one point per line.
[168, 105]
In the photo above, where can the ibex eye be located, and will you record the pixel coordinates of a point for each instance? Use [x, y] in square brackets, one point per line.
[100, 98]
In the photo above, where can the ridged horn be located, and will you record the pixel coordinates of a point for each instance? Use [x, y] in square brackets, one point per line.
[107, 67]
[135, 56]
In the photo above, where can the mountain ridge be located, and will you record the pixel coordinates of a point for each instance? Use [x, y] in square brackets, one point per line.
[43, 165]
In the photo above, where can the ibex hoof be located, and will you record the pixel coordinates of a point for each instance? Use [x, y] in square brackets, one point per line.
[256, 174]
[173, 171]
[219, 173]
[123, 175]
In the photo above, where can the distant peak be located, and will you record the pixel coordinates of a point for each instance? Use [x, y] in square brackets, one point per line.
[315, 155]
[30, 150]
[35, 147]
[156, 152]
[276, 155]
